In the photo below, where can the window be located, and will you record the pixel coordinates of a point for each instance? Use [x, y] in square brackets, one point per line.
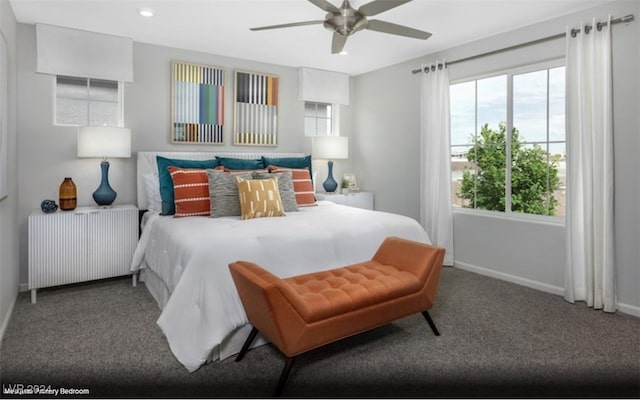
[86, 101]
[508, 147]
[318, 119]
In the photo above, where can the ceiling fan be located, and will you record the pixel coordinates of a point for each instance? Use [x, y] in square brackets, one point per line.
[345, 21]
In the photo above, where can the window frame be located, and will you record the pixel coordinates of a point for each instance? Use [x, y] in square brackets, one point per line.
[334, 118]
[508, 214]
[119, 103]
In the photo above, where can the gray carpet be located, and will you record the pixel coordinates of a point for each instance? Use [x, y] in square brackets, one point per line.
[498, 340]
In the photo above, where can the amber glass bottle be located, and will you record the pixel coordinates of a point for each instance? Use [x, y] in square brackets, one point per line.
[68, 197]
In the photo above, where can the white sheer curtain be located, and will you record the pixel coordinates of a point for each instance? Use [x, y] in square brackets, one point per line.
[435, 158]
[590, 267]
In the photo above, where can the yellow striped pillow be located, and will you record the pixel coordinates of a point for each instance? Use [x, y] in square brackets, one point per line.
[190, 191]
[259, 198]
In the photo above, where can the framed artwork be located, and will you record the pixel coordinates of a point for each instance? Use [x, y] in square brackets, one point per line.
[255, 109]
[351, 178]
[197, 103]
[4, 128]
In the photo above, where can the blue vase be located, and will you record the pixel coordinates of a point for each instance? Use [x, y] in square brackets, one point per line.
[104, 195]
[330, 185]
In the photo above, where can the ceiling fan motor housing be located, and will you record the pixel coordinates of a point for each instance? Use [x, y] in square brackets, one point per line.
[347, 22]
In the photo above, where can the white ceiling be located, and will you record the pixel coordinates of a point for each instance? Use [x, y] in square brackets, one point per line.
[222, 26]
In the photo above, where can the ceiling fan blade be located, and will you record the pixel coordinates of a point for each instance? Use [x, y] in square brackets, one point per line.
[337, 44]
[262, 28]
[395, 29]
[378, 6]
[325, 5]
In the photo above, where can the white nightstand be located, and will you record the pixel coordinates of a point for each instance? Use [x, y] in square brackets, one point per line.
[354, 199]
[81, 245]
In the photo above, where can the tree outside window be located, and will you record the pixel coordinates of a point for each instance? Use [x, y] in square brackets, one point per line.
[533, 180]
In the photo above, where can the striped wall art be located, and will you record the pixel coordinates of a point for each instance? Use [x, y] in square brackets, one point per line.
[256, 109]
[197, 103]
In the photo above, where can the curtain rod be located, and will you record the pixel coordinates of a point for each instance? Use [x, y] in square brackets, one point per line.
[574, 32]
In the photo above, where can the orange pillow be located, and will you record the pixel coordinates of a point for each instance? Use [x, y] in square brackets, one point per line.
[190, 191]
[302, 185]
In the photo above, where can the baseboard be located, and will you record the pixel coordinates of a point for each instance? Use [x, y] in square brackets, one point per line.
[629, 309]
[622, 307]
[510, 278]
[24, 287]
[7, 318]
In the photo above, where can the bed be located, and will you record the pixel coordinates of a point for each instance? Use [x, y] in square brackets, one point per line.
[184, 261]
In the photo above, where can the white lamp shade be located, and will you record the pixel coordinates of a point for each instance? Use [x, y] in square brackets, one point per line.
[330, 147]
[104, 141]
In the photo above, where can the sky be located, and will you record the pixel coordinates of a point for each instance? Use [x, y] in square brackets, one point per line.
[529, 107]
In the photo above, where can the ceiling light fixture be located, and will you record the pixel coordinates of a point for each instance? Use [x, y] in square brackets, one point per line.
[343, 53]
[146, 12]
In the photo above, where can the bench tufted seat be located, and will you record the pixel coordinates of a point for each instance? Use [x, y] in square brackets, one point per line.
[303, 312]
[326, 294]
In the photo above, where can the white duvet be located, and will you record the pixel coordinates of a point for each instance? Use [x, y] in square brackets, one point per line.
[191, 256]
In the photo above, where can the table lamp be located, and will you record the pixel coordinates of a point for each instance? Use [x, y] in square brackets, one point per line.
[103, 142]
[330, 148]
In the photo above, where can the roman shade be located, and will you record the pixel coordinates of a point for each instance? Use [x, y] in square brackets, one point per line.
[72, 52]
[323, 86]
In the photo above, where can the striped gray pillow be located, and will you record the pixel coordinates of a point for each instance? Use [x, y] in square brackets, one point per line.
[224, 192]
[285, 186]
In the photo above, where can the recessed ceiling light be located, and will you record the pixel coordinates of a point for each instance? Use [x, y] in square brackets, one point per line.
[146, 12]
[343, 53]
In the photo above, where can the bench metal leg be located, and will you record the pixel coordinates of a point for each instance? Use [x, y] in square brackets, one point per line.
[283, 376]
[431, 323]
[247, 343]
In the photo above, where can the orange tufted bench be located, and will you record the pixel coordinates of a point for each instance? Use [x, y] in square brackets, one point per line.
[303, 312]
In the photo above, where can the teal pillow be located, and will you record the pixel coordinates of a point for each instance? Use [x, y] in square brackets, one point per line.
[240, 164]
[166, 183]
[289, 162]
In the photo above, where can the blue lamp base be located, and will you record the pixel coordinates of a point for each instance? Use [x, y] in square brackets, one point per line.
[104, 195]
[330, 185]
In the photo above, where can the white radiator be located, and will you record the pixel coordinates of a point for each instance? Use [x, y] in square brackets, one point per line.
[85, 244]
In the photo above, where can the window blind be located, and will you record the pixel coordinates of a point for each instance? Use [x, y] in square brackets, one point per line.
[73, 52]
[323, 86]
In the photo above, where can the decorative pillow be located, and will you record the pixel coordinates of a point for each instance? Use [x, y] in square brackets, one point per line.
[166, 183]
[290, 162]
[302, 185]
[251, 171]
[240, 164]
[223, 192]
[259, 198]
[152, 189]
[285, 187]
[190, 192]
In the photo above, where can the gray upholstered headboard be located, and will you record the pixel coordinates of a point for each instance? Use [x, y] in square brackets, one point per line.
[146, 162]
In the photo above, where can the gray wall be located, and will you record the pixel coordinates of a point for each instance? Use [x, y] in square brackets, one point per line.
[47, 153]
[9, 206]
[386, 116]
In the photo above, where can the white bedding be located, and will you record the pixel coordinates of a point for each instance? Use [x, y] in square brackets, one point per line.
[191, 257]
